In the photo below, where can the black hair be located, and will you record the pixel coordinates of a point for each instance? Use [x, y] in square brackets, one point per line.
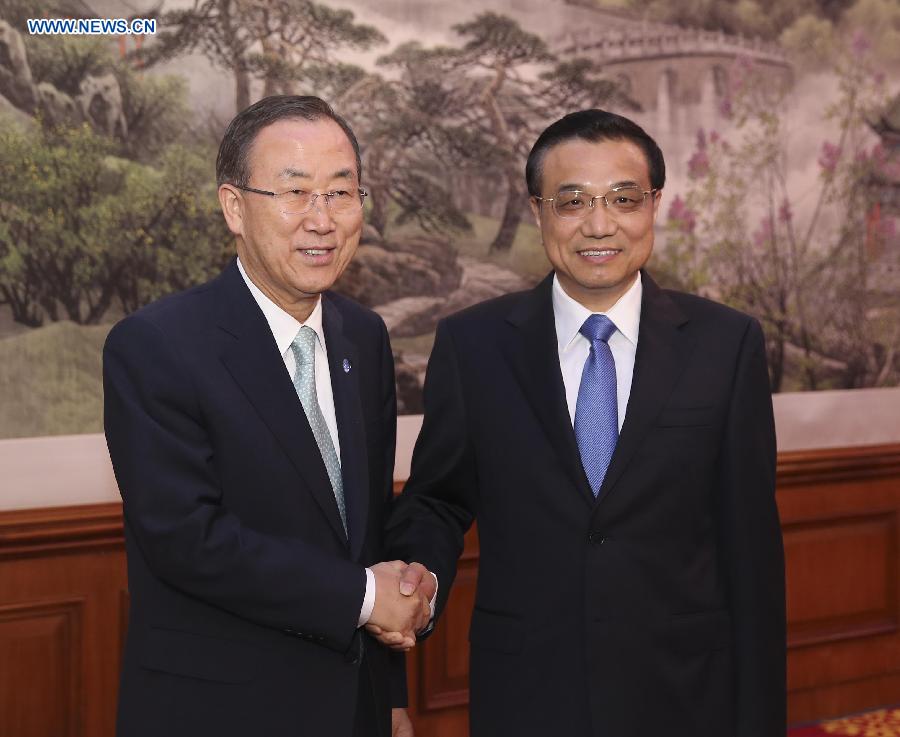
[232, 163]
[593, 125]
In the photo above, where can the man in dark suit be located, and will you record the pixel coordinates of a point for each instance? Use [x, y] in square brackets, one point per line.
[615, 442]
[251, 425]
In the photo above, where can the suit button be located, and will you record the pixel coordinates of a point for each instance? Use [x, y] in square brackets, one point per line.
[595, 538]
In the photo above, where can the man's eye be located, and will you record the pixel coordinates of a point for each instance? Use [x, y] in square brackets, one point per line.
[339, 194]
[297, 192]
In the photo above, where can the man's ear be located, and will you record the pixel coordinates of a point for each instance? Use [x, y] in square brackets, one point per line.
[535, 205]
[232, 204]
[657, 198]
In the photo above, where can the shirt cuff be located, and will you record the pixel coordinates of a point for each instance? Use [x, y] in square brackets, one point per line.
[433, 598]
[430, 626]
[368, 605]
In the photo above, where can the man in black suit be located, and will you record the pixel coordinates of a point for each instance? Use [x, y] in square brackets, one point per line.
[251, 425]
[615, 442]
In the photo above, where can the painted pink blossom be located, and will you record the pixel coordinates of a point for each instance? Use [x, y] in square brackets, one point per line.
[714, 137]
[829, 157]
[682, 216]
[726, 109]
[784, 212]
[698, 165]
[886, 165]
[764, 233]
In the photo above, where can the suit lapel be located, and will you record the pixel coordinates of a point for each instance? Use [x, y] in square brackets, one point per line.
[661, 357]
[532, 350]
[343, 363]
[251, 357]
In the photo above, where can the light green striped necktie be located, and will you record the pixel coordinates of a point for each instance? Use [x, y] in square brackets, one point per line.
[304, 348]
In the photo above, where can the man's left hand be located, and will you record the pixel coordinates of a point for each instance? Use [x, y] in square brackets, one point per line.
[416, 577]
[401, 726]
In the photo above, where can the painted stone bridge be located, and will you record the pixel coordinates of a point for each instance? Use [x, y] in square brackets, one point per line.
[664, 66]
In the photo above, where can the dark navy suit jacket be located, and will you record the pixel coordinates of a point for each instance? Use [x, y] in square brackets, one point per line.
[245, 590]
[657, 609]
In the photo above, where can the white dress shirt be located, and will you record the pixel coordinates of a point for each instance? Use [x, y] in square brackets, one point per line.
[284, 329]
[574, 348]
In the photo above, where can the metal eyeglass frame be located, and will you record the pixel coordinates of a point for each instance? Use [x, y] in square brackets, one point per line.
[312, 203]
[593, 198]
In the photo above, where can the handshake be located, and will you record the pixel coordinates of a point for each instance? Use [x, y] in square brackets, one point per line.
[402, 608]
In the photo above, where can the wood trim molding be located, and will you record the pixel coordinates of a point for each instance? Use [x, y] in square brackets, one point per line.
[829, 465]
[36, 531]
[31, 532]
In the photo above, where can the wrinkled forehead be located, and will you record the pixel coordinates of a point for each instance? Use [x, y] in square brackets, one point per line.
[597, 166]
[302, 149]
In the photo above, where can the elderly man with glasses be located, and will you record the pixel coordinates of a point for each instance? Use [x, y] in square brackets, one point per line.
[251, 425]
[615, 443]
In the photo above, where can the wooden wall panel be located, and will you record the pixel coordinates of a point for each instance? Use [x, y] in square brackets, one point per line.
[62, 572]
[40, 691]
[844, 578]
[63, 606]
[840, 513]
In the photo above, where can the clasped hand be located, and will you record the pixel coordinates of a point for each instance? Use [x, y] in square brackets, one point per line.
[402, 603]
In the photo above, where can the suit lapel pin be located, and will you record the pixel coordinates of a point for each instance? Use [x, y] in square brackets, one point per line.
[346, 366]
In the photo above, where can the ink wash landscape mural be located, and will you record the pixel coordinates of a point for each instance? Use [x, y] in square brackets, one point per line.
[780, 123]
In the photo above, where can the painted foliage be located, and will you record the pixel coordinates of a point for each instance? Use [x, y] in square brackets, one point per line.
[780, 123]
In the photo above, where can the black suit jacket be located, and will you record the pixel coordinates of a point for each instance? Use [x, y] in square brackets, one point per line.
[245, 591]
[659, 608]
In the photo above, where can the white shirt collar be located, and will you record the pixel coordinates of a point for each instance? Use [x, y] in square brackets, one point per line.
[570, 315]
[284, 326]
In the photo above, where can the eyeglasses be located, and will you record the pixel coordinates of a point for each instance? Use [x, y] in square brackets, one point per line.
[299, 201]
[577, 204]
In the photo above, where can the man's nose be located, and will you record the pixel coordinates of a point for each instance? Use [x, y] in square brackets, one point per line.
[599, 221]
[318, 218]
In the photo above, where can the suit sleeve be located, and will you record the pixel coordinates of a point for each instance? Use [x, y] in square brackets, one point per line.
[438, 504]
[751, 541]
[173, 506]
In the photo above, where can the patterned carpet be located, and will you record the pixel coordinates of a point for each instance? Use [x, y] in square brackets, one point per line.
[880, 723]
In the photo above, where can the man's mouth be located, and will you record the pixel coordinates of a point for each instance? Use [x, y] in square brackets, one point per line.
[599, 252]
[317, 251]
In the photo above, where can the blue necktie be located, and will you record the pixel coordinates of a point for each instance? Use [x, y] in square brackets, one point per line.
[597, 410]
[304, 348]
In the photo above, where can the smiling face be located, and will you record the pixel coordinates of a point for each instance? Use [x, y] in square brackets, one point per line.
[596, 258]
[294, 258]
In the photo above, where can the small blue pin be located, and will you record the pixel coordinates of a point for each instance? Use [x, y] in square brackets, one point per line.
[346, 366]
